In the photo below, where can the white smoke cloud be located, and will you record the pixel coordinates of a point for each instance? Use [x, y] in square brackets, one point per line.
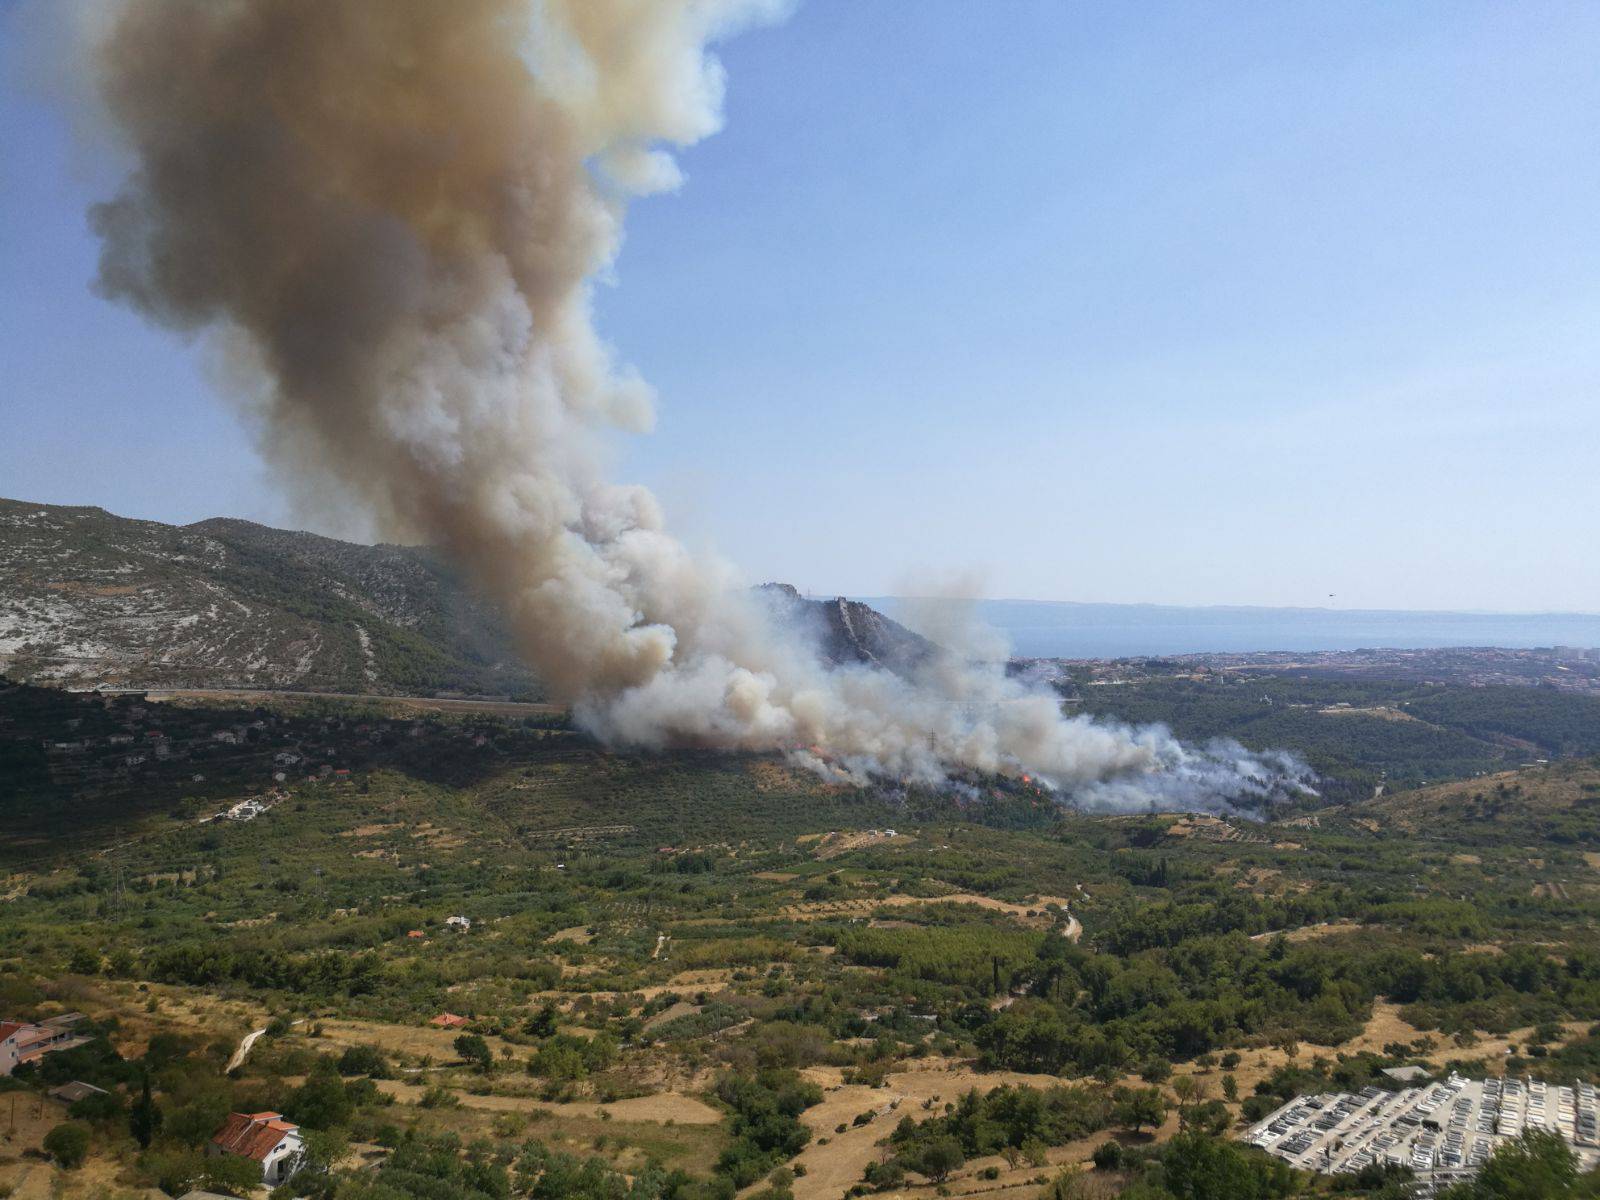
[1220, 777]
[390, 215]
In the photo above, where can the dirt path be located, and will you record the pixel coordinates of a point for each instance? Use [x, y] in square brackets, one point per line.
[660, 1108]
[1032, 914]
[440, 1044]
[1305, 933]
[247, 1042]
[243, 1051]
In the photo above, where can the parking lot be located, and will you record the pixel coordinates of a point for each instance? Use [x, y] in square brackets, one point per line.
[1444, 1131]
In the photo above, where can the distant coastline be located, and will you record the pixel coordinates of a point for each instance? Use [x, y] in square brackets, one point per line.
[1062, 629]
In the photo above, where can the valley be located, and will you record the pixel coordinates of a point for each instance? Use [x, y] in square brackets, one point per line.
[639, 951]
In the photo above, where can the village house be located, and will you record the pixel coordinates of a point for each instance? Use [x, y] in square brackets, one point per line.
[449, 1020]
[22, 1042]
[265, 1138]
[458, 924]
[248, 809]
[10, 1053]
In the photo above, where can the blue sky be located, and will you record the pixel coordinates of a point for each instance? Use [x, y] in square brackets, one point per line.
[1181, 303]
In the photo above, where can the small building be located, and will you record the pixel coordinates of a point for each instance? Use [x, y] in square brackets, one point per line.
[247, 810]
[458, 924]
[71, 1093]
[447, 1020]
[415, 934]
[265, 1138]
[1406, 1074]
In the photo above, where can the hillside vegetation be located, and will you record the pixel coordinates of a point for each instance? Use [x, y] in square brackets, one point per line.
[688, 976]
[1359, 733]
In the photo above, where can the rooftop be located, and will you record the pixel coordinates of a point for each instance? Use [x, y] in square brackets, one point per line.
[253, 1135]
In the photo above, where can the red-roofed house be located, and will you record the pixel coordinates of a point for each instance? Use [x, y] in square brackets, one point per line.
[265, 1138]
[449, 1021]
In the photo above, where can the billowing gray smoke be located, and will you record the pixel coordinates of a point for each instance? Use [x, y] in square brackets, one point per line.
[388, 214]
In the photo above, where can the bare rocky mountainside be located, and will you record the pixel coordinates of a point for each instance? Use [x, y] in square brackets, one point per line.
[90, 598]
[848, 631]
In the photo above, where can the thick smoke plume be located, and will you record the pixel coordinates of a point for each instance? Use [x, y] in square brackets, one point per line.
[389, 214]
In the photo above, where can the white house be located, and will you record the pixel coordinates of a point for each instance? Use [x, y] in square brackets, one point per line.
[23, 1042]
[266, 1139]
[459, 924]
[11, 1033]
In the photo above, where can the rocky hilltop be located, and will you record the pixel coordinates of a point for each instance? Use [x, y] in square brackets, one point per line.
[848, 631]
[90, 598]
[87, 597]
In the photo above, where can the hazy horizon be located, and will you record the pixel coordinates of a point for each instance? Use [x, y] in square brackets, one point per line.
[1064, 601]
[1077, 629]
[1224, 606]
